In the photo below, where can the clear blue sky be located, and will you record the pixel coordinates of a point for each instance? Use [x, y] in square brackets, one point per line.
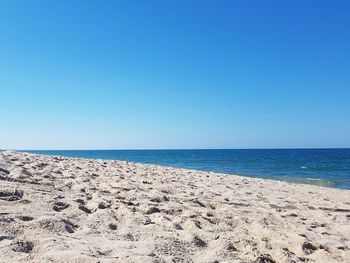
[174, 74]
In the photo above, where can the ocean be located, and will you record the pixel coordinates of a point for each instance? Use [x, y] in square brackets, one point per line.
[325, 167]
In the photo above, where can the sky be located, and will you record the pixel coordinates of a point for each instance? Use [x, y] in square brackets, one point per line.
[174, 74]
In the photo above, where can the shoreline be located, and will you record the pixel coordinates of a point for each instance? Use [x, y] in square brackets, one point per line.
[323, 182]
[120, 211]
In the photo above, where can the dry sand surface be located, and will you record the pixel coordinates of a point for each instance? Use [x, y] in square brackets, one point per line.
[57, 209]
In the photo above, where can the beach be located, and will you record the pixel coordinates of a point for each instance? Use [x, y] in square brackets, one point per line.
[60, 209]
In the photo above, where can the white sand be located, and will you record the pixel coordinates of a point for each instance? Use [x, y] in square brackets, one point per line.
[56, 209]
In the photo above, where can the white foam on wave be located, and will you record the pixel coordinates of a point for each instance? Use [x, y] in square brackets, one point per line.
[316, 179]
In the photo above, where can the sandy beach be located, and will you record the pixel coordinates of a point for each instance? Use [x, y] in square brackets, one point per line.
[57, 209]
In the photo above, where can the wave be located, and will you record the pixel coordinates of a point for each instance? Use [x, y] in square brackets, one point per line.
[314, 181]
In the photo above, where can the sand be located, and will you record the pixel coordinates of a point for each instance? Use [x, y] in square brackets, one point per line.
[57, 209]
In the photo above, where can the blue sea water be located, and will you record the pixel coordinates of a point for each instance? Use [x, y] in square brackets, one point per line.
[326, 167]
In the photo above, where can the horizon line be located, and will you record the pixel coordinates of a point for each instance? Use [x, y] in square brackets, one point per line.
[182, 149]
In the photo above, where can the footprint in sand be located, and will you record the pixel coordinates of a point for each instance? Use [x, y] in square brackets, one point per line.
[85, 209]
[308, 248]
[69, 226]
[23, 246]
[264, 259]
[59, 206]
[25, 218]
[6, 238]
[112, 226]
[199, 242]
[152, 210]
[10, 195]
